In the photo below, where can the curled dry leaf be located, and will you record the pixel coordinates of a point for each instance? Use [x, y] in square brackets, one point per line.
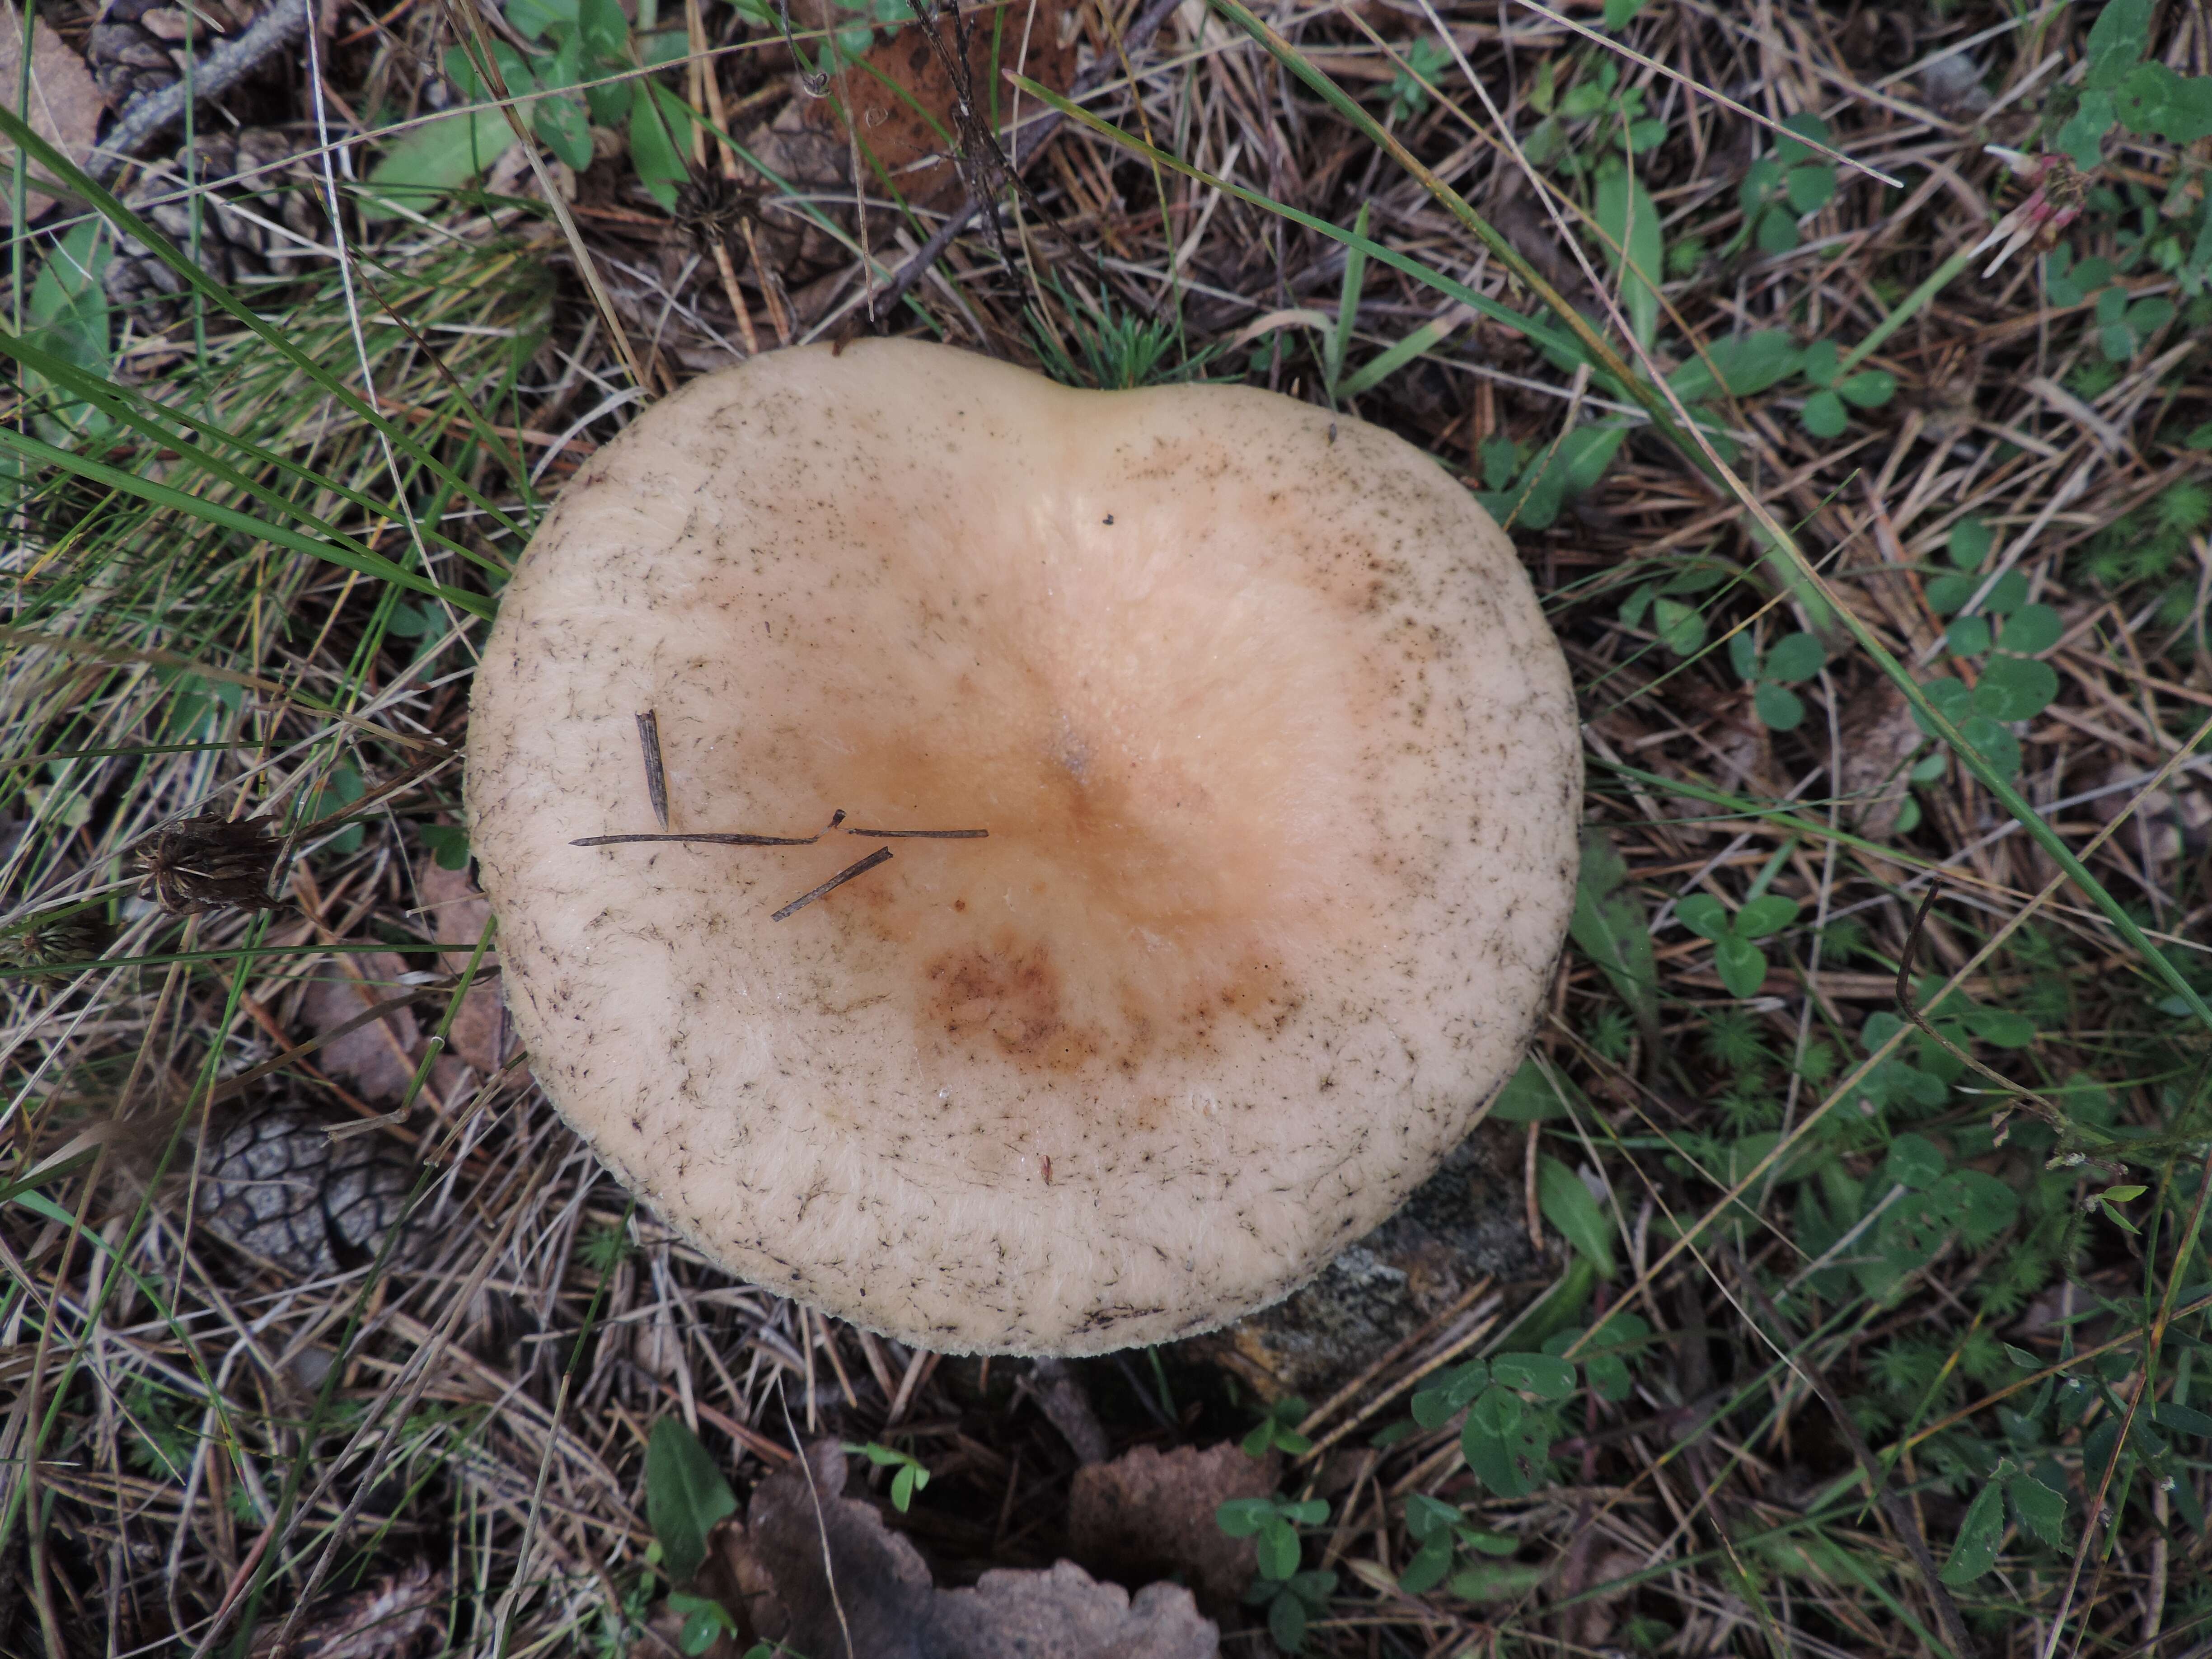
[1149, 1515]
[1878, 736]
[387, 1621]
[811, 1565]
[902, 93]
[807, 144]
[64, 106]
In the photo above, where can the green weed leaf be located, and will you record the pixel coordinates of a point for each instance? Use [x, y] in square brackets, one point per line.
[684, 1496]
[658, 124]
[1278, 1550]
[2040, 1512]
[1582, 1220]
[1241, 1517]
[434, 159]
[1824, 414]
[2014, 688]
[1511, 1464]
[1967, 637]
[1429, 1566]
[2118, 40]
[1914, 1161]
[563, 127]
[2031, 630]
[1768, 914]
[1795, 657]
[1869, 389]
[1703, 915]
[1538, 1374]
[1610, 926]
[1742, 964]
[1630, 219]
[1979, 1535]
[1779, 710]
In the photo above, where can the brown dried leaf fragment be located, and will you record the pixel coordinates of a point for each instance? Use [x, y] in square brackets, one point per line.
[902, 93]
[385, 1621]
[1149, 1515]
[821, 1573]
[63, 108]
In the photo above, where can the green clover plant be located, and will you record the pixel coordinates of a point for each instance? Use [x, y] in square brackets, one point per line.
[1783, 186]
[1277, 1431]
[1792, 659]
[580, 71]
[2010, 684]
[1292, 1597]
[1737, 958]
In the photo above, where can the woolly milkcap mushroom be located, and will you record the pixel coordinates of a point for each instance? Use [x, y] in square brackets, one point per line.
[1277, 765]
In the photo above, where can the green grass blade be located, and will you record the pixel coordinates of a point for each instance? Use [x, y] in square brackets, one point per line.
[1542, 333]
[127, 408]
[111, 208]
[161, 494]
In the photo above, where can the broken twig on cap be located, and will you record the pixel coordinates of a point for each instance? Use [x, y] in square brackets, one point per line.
[656, 780]
[703, 838]
[834, 882]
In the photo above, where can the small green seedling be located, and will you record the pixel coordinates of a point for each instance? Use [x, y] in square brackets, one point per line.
[1506, 1439]
[1677, 624]
[1824, 414]
[1292, 1597]
[2121, 89]
[580, 71]
[684, 1496]
[912, 1475]
[1739, 961]
[2039, 1509]
[1425, 60]
[705, 1622]
[1442, 1534]
[448, 844]
[2010, 684]
[1793, 658]
[1614, 112]
[1783, 187]
[67, 317]
[2112, 1196]
[1278, 1430]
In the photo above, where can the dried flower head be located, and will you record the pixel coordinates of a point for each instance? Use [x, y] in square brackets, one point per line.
[208, 862]
[56, 941]
[2053, 204]
[711, 209]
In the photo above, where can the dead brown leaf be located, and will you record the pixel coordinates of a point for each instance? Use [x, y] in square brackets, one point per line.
[1877, 735]
[821, 1573]
[455, 911]
[903, 95]
[378, 1058]
[388, 1619]
[64, 106]
[1149, 1515]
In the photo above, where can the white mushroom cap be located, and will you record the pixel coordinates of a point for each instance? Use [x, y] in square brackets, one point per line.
[1279, 766]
